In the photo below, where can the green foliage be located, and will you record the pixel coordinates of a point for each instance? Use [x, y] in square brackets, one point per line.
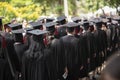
[54, 6]
[113, 3]
[32, 9]
[30, 12]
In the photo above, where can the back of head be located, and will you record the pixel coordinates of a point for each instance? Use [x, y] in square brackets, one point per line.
[18, 38]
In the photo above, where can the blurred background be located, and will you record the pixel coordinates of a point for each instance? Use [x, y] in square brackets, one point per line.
[34, 9]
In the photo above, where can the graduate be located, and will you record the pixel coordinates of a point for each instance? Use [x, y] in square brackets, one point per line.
[19, 46]
[90, 46]
[71, 51]
[100, 39]
[55, 46]
[61, 28]
[12, 65]
[33, 62]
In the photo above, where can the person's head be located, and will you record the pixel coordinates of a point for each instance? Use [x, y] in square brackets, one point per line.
[91, 27]
[70, 30]
[36, 25]
[50, 26]
[112, 69]
[86, 25]
[61, 20]
[71, 27]
[18, 36]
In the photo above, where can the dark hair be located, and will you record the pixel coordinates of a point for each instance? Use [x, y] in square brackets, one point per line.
[18, 37]
[113, 67]
[91, 28]
[86, 28]
[98, 25]
[51, 29]
[70, 30]
[36, 47]
[62, 22]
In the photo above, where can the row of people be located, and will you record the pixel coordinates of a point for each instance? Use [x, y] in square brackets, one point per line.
[58, 50]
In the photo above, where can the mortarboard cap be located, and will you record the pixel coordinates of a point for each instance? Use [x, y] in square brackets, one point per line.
[72, 24]
[36, 25]
[15, 26]
[114, 22]
[86, 23]
[76, 19]
[105, 20]
[28, 29]
[117, 18]
[98, 22]
[18, 36]
[61, 18]
[41, 19]
[19, 31]
[37, 32]
[49, 20]
[85, 19]
[50, 24]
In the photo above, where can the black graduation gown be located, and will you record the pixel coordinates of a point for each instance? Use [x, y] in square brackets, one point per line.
[98, 47]
[33, 68]
[82, 57]
[2, 61]
[5, 72]
[89, 38]
[50, 65]
[54, 59]
[20, 49]
[113, 32]
[12, 61]
[104, 46]
[71, 51]
[101, 42]
[58, 57]
[33, 64]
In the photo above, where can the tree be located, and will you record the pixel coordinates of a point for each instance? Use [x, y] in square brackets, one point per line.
[5, 0]
[56, 5]
[115, 4]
